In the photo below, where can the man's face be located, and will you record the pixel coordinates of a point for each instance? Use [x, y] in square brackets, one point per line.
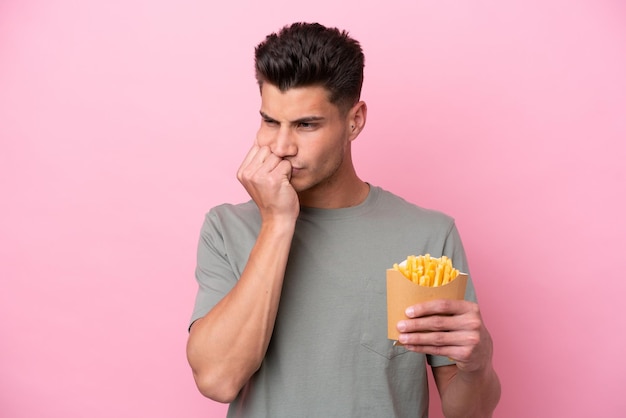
[302, 126]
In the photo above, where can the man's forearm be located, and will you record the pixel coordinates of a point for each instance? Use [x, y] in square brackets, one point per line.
[470, 395]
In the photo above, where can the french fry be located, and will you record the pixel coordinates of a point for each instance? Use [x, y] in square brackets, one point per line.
[425, 270]
[438, 275]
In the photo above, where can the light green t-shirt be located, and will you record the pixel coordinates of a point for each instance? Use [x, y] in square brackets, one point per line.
[329, 355]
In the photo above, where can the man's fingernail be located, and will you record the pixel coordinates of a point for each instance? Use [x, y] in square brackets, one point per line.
[409, 312]
[401, 326]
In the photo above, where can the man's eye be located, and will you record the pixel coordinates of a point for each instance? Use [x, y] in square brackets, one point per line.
[270, 122]
[307, 125]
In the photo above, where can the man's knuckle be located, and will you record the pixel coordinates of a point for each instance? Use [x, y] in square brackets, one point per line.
[439, 339]
[473, 339]
[474, 324]
[443, 304]
[439, 322]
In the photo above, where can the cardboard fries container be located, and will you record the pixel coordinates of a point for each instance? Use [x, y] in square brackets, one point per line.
[402, 293]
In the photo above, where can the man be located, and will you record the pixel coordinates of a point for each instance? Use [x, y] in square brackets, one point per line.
[290, 316]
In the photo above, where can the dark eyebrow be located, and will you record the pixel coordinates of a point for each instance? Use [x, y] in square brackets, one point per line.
[306, 119]
[266, 117]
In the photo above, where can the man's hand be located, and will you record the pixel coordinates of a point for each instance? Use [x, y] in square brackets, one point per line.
[455, 329]
[266, 178]
[451, 328]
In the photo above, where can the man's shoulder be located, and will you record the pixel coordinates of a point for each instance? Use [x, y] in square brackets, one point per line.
[246, 212]
[242, 207]
[406, 208]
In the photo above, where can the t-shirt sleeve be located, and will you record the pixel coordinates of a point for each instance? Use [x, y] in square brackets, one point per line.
[453, 248]
[214, 272]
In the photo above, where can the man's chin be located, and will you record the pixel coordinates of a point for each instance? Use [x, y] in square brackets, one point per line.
[298, 188]
[298, 185]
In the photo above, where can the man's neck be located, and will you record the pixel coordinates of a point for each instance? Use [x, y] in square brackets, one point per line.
[346, 195]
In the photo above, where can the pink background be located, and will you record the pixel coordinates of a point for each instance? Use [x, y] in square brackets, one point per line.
[123, 122]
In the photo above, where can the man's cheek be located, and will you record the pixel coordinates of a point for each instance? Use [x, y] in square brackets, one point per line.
[262, 137]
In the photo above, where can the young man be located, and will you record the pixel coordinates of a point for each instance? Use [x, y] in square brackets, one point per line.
[290, 316]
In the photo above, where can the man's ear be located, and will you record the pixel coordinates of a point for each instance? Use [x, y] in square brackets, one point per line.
[356, 119]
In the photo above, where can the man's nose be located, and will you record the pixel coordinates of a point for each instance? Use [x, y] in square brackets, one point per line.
[284, 144]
